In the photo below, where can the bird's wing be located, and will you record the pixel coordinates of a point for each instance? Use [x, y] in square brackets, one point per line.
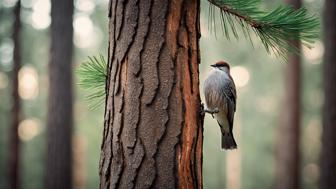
[231, 97]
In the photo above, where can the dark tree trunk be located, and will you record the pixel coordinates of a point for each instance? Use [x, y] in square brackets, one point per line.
[153, 131]
[328, 155]
[288, 153]
[58, 173]
[14, 143]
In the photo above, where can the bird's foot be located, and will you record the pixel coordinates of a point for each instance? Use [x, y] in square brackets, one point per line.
[212, 112]
[202, 112]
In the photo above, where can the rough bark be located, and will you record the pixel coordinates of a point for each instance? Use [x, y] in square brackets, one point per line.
[58, 173]
[153, 131]
[288, 153]
[328, 155]
[14, 143]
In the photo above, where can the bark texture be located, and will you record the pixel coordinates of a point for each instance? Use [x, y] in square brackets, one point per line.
[288, 153]
[14, 143]
[58, 173]
[153, 130]
[328, 155]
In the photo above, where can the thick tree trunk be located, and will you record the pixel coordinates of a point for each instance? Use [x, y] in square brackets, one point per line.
[58, 172]
[328, 155]
[288, 153]
[14, 143]
[153, 130]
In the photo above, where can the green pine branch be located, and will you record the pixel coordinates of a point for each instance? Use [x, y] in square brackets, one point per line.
[277, 29]
[92, 76]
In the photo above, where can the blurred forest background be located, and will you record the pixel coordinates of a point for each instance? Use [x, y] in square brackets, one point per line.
[259, 78]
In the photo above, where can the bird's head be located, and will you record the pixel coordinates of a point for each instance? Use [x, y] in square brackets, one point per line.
[223, 66]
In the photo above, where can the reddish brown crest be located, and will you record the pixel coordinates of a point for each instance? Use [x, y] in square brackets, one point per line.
[221, 64]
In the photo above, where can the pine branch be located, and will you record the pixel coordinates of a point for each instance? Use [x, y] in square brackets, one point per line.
[277, 29]
[92, 76]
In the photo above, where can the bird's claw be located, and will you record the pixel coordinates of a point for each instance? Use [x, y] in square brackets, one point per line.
[212, 112]
[202, 111]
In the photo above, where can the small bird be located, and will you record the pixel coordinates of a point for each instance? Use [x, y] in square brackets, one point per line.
[220, 97]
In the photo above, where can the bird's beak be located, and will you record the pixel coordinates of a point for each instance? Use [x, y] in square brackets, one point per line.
[213, 65]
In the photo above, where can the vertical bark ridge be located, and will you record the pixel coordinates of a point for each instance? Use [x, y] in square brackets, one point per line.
[199, 147]
[106, 152]
[153, 94]
[117, 165]
[120, 15]
[189, 58]
[154, 41]
[172, 126]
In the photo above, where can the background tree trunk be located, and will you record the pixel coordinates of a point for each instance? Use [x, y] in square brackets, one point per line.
[288, 153]
[153, 131]
[58, 172]
[328, 155]
[14, 143]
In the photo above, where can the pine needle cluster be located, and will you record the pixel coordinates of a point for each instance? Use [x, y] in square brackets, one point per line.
[276, 29]
[92, 76]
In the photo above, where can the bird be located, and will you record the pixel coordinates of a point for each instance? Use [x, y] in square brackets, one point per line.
[220, 98]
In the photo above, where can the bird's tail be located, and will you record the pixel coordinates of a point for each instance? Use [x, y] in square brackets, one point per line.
[228, 142]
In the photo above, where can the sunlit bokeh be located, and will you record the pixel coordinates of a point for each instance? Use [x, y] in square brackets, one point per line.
[240, 75]
[204, 28]
[29, 128]
[41, 14]
[267, 104]
[312, 133]
[86, 35]
[27, 3]
[6, 51]
[85, 6]
[314, 53]
[311, 173]
[8, 3]
[3, 80]
[28, 83]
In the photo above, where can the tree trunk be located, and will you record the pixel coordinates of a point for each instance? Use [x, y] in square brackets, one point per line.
[58, 172]
[14, 143]
[328, 154]
[153, 129]
[288, 153]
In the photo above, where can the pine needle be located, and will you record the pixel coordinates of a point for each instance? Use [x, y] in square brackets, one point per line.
[92, 77]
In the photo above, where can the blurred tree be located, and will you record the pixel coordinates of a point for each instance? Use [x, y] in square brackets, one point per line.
[288, 139]
[153, 131]
[328, 154]
[14, 143]
[58, 173]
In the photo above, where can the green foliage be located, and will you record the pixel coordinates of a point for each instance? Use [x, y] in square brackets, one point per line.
[92, 76]
[277, 29]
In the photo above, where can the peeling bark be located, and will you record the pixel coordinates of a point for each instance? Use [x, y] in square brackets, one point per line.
[153, 132]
